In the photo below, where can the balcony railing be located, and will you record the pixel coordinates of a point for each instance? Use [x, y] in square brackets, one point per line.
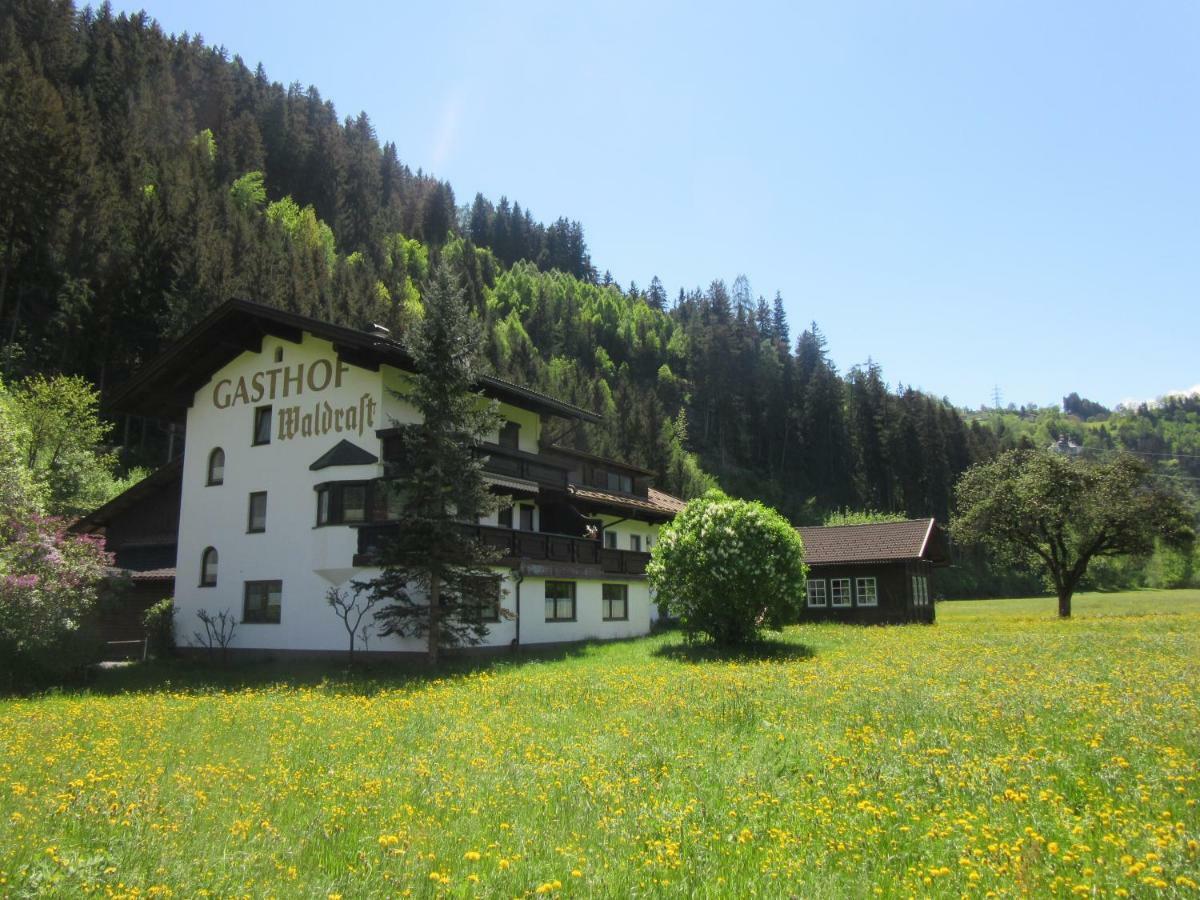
[497, 460]
[519, 464]
[534, 546]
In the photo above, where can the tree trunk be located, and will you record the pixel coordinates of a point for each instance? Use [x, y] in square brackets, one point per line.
[435, 597]
[1064, 600]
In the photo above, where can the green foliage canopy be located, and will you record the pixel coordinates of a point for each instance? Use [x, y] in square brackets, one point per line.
[728, 569]
[1061, 513]
[51, 428]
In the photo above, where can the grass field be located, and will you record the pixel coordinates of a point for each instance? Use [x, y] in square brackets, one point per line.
[1000, 750]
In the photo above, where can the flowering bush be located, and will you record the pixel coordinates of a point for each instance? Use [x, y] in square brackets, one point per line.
[49, 582]
[728, 568]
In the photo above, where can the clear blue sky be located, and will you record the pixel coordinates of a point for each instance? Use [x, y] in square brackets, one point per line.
[970, 193]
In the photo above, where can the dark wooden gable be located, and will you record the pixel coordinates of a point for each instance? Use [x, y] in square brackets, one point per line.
[344, 453]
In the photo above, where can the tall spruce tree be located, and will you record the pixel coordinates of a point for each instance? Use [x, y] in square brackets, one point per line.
[435, 574]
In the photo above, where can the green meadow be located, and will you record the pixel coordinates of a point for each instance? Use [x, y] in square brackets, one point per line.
[1000, 751]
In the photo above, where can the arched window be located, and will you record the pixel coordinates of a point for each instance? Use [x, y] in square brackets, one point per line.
[216, 466]
[208, 567]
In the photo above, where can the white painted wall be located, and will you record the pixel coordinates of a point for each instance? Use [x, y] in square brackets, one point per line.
[310, 560]
[626, 527]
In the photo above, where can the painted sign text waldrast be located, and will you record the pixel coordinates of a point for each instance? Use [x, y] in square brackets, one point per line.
[324, 418]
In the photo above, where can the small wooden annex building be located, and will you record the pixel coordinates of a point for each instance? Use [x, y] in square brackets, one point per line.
[874, 573]
[140, 528]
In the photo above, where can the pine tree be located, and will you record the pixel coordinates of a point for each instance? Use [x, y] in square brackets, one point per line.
[656, 295]
[779, 321]
[435, 577]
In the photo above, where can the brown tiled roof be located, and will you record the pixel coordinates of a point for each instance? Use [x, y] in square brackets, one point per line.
[656, 503]
[666, 501]
[878, 542]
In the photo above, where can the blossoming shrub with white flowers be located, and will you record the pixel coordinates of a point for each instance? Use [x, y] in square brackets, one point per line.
[727, 569]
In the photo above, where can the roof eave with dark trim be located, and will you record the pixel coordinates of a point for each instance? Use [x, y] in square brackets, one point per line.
[165, 386]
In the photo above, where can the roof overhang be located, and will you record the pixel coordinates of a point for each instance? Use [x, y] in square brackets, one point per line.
[159, 479]
[165, 386]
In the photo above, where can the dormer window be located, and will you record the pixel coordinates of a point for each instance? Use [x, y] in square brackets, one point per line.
[216, 467]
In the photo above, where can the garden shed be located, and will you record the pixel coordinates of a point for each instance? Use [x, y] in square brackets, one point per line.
[875, 573]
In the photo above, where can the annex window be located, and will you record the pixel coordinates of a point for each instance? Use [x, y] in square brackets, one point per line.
[560, 601]
[526, 518]
[257, 520]
[208, 567]
[342, 504]
[615, 602]
[839, 591]
[262, 425]
[264, 602]
[816, 592]
[920, 591]
[866, 591]
[635, 543]
[510, 436]
[216, 466]
[610, 540]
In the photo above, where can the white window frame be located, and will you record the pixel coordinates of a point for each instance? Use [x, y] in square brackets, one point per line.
[811, 593]
[610, 539]
[607, 604]
[554, 602]
[863, 597]
[216, 471]
[635, 543]
[920, 590]
[842, 587]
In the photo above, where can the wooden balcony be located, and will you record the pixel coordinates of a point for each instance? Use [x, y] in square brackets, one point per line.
[519, 464]
[520, 547]
[544, 471]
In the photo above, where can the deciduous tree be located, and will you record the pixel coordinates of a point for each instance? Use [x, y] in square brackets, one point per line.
[1061, 513]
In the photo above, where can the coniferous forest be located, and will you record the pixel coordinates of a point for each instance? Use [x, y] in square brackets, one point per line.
[147, 178]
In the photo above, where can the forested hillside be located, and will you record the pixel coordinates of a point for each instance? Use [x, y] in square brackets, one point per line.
[146, 178]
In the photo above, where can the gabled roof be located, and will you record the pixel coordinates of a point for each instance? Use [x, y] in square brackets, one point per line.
[879, 542]
[344, 453]
[165, 386]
